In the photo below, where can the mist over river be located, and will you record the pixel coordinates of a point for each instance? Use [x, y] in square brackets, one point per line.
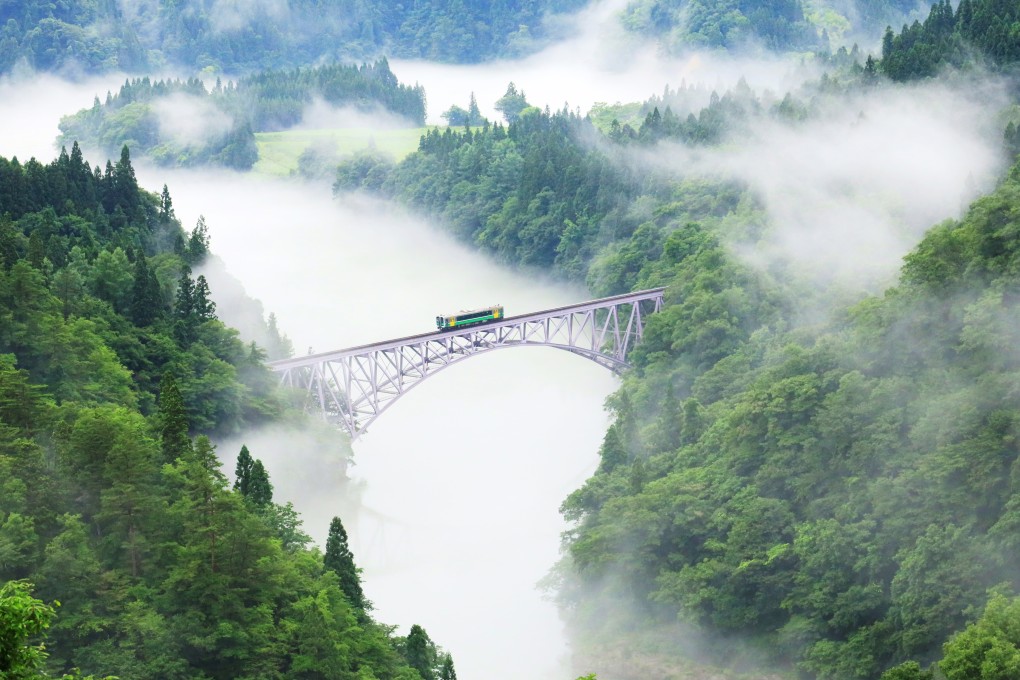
[461, 479]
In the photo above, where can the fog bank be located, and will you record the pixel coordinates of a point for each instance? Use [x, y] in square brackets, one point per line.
[854, 188]
[600, 62]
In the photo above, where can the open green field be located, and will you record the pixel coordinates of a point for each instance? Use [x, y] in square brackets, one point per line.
[279, 151]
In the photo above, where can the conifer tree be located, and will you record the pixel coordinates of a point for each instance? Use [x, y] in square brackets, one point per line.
[9, 244]
[474, 114]
[185, 319]
[146, 298]
[242, 471]
[446, 671]
[166, 206]
[511, 104]
[36, 250]
[338, 558]
[124, 183]
[198, 242]
[420, 652]
[173, 420]
[260, 490]
[203, 307]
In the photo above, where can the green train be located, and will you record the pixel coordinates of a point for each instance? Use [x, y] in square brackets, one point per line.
[470, 318]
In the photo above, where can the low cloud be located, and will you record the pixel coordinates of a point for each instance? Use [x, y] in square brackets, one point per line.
[227, 16]
[31, 105]
[599, 62]
[189, 120]
[851, 191]
[321, 115]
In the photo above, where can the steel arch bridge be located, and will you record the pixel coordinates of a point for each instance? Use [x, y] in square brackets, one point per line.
[352, 387]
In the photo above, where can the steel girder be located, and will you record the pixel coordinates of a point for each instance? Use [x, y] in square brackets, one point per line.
[352, 387]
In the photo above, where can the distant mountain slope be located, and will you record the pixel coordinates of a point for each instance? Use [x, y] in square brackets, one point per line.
[177, 122]
[985, 31]
[97, 36]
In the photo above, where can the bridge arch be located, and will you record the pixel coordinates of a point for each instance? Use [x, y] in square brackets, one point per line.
[353, 387]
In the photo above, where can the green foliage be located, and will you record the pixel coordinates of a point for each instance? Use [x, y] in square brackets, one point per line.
[97, 37]
[908, 670]
[978, 31]
[231, 115]
[420, 652]
[511, 104]
[504, 188]
[446, 669]
[22, 620]
[778, 25]
[458, 117]
[988, 649]
[173, 420]
[106, 503]
[850, 491]
[339, 560]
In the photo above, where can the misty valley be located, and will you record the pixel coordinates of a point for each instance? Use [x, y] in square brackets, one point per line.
[805, 465]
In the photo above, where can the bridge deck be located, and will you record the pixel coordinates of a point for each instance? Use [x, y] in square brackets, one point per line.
[354, 386]
[311, 359]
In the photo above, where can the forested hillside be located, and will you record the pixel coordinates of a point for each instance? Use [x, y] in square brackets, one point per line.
[977, 32]
[184, 123]
[240, 38]
[114, 373]
[223, 37]
[837, 498]
[779, 25]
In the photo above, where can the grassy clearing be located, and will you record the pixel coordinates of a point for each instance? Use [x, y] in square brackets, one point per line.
[279, 151]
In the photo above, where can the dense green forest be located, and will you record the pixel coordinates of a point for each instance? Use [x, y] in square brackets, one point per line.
[122, 545]
[96, 37]
[776, 24]
[238, 38]
[183, 123]
[978, 31]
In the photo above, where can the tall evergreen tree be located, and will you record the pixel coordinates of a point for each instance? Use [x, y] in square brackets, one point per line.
[446, 670]
[198, 242]
[185, 318]
[9, 244]
[338, 558]
[474, 114]
[146, 297]
[124, 190]
[260, 490]
[420, 652]
[242, 471]
[166, 205]
[511, 104]
[203, 307]
[173, 420]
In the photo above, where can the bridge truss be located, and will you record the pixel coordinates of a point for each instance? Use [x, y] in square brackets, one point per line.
[352, 387]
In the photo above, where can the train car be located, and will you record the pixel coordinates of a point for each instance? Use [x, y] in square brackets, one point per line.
[470, 318]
